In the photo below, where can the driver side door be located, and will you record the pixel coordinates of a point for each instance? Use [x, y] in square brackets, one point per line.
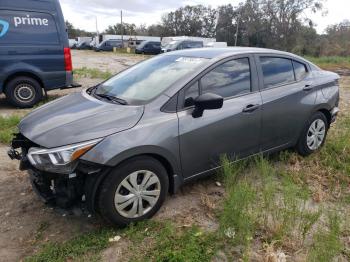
[233, 130]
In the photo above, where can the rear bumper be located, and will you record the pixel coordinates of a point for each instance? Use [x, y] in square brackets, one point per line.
[69, 78]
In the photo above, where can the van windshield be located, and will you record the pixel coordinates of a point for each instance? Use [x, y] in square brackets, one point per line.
[172, 45]
[142, 44]
[148, 79]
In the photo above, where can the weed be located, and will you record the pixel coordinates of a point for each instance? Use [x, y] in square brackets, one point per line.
[188, 245]
[76, 248]
[327, 244]
[92, 73]
[40, 231]
[267, 200]
[8, 126]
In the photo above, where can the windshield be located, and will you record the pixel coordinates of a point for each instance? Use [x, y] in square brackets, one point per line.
[150, 78]
[171, 45]
[142, 44]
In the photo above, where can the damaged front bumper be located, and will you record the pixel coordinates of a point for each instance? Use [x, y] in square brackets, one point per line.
[77, 189]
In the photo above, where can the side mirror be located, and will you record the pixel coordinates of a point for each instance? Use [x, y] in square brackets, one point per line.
[206, 101]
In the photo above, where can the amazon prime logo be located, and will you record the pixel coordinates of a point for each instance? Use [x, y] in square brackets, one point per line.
[4, 27]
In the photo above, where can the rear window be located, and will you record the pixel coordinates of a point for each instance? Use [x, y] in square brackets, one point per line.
[277, 71]
[19, 27]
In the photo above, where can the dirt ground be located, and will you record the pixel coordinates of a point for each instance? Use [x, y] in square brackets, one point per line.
[26, 223]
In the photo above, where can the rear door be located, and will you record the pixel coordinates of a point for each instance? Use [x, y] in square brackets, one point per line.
[234, 129]
[287, 101]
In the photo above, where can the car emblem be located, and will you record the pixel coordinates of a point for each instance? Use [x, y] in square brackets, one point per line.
[5, 27]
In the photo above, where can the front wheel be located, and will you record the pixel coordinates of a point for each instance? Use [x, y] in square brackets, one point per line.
[313, 135]
[23, 92]
[134, 191]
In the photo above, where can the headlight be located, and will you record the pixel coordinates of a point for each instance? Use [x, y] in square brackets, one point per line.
[61, 159]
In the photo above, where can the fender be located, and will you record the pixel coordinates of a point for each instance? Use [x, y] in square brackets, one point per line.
[17, 69]
[147, 150]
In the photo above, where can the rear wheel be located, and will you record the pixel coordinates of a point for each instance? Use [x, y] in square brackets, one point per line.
[313, 135]
[23, 92]
[133, 191]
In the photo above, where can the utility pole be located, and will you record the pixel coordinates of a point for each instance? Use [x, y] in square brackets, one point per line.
[97, 34]
[237, 27]
[121, 25]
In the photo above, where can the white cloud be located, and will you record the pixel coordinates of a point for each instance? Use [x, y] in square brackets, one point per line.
[83, 13]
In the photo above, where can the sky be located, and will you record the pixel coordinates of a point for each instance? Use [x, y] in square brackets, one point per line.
[84, 13]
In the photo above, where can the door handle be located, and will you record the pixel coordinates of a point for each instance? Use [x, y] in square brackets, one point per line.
[250, 108]
[308, 87]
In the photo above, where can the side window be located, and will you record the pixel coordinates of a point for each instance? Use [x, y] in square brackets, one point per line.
[300, 70]
[229, 79]
[180, 46]
[277, 71]
[190, 94]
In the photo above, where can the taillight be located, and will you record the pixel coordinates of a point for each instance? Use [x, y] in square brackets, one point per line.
[67, 59]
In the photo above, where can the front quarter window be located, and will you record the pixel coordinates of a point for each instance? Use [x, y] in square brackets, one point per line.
[150, 78]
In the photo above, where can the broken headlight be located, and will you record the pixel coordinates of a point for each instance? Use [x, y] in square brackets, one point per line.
[61, 160]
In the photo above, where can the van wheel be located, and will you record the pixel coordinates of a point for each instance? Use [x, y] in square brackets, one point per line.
[313, 135]
[133, 191]
[23, 92]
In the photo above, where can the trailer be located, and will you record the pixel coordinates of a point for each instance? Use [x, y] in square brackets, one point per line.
[166, 40]
[128, 40]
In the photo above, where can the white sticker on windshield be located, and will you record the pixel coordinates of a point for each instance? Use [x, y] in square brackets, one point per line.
[193, 60]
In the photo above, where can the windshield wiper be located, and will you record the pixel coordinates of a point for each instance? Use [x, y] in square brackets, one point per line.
[91, 89]
[113, 98]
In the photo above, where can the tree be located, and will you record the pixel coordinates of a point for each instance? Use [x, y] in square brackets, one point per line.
[267, 23]
[74, 33]
[190, 21]
[128, 29]
[337, 40]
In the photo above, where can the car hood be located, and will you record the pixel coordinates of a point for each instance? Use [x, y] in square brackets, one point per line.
[77, 118]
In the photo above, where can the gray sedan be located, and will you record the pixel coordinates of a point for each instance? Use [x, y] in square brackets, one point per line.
[118, 148]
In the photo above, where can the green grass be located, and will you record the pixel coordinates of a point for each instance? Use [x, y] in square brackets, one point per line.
[168, 243]
[92, 73]
[8, 126]
[190, 244]
[267, 200]
[335, 155]
[331, 62]
[87, 244]
[327, 244]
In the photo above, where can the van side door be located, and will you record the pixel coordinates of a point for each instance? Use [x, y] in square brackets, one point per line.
[234, 129]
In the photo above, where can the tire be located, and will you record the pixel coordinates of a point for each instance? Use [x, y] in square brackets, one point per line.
[315, 143]
[123, 213]
[23, 92]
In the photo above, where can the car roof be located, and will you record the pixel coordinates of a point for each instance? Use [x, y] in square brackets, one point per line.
[211, 53]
